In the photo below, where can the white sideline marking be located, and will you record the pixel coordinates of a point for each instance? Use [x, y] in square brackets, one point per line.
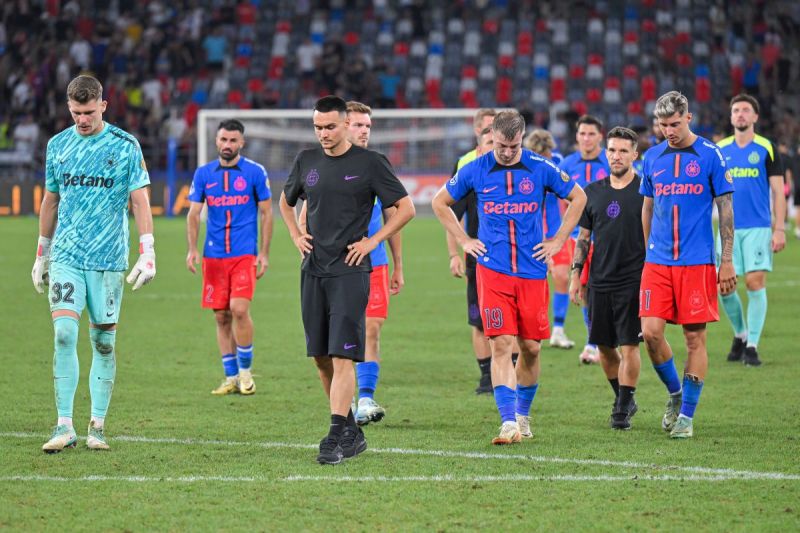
[699, 471]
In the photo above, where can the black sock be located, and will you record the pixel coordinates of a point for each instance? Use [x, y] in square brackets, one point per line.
[625, 398]
[514, 357]
[338, 423]
[485, 365]
[351, 420]
[615, 385]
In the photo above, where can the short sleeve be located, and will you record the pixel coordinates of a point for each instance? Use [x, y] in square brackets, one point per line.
[261, 185]
[462, 182]
[293, 189]
[138, 176]
[385, 183]
[557, 180]
[719, 176]
[775, 166]
[197, 192]
[51, 181]
[646, 186]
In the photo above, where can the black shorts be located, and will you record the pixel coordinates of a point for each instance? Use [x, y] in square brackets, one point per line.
[473, 309]
[334, 311]
[614, 317]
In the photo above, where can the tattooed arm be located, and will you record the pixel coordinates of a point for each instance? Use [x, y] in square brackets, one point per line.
[727, 274]
[576, 290]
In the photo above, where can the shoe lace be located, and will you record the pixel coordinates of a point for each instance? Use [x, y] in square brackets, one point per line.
[328, 445]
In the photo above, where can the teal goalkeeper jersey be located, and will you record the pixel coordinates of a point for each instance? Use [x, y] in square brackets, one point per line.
[93, 177]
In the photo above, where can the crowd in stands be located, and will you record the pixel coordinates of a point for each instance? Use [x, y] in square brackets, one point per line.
[162, 60]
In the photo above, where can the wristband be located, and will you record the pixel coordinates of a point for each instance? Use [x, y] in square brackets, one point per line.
[577, 266]
[43, 246]
[146, 242]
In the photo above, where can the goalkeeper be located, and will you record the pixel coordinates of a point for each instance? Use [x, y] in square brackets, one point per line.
[91, 169]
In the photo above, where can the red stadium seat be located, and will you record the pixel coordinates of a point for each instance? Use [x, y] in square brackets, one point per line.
[504, 91]
[612, 82]
[490, 26]
[631, 37]
[630, 72]
[183, 85]
[235, 96]
[242, 62]
[595, 59]
[283, 26]
[506, 61]
[400, 48]
[594, 95]
[255, 85]
[469, 71]
[433, 88]
[684, 60]
[558, 89]
[702, 90]
[351, 38]
[525, 43]
[468, 99]
[635, 108]
[246, 14]
[276, 65]
[649, 88]
[580, 107]
[577, 72]
[649, 26]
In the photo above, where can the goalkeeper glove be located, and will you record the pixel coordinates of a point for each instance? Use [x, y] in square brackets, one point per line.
[41, 266]
[144, 270]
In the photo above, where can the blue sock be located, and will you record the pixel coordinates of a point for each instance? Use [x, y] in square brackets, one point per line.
[230, 365]
[588, 323]
[560, 307]
[367, 375]
[525, 397]
[505, 398]
[65, 364]
[733, 308]
[669, 376]
[756, 315]
[244, 356]
[692, 387]
[103, 371]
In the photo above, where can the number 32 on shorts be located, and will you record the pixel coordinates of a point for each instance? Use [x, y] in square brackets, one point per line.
[494, 317]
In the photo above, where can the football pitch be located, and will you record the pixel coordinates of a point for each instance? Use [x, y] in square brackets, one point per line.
[182, 459]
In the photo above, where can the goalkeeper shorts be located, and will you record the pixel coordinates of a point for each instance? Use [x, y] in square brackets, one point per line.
[73, 289]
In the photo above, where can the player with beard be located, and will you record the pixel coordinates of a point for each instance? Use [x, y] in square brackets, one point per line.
[236, 191]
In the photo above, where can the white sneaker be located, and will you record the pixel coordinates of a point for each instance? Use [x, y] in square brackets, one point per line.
[524, 424]
[369, 411]
[63, 437]
[559, 339]
[96, 439]
[590, 355]
[509, 434]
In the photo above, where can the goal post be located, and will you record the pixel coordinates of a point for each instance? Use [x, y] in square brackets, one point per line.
[423, 145]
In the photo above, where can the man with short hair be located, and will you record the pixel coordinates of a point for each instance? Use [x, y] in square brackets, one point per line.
[588, 164]
[683, 178]
[510, 185]
[757, 172]
[613, 219]
[466, 211]
[236, 191]
[541, 142]
[93, 169]
[340, 182]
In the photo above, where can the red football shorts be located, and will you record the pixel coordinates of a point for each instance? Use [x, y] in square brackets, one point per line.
[679, 294]
[513, 306]
[587, 265]
[226, 278]
[378, 306]
[564, 256]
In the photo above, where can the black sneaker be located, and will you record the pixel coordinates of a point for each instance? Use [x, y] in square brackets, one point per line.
[485, 385]
[751, 356]
[330, 452]
[352, 441]
[737, 350]
[621, 419]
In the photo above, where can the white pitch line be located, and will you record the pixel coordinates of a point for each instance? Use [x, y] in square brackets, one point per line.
[445, 478]
[723, 472]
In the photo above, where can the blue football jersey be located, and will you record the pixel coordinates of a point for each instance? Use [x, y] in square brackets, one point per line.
[683, 184]
[510, 200]
[377, 256]
[585, 171]
[751, 166]
[93, 177]
[232, 195]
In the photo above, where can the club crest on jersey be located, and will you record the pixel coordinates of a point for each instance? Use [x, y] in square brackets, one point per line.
[613, 210]
[240, 184]
[526, 186]
[753, 158]
[312, 177]
[692, 169]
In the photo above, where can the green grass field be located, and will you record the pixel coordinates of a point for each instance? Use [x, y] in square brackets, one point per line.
[182, 459]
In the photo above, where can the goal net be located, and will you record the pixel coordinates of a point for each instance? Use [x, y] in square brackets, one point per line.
[423, 145]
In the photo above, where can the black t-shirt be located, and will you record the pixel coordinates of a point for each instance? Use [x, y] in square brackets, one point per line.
[340, 194]
[614, 216]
